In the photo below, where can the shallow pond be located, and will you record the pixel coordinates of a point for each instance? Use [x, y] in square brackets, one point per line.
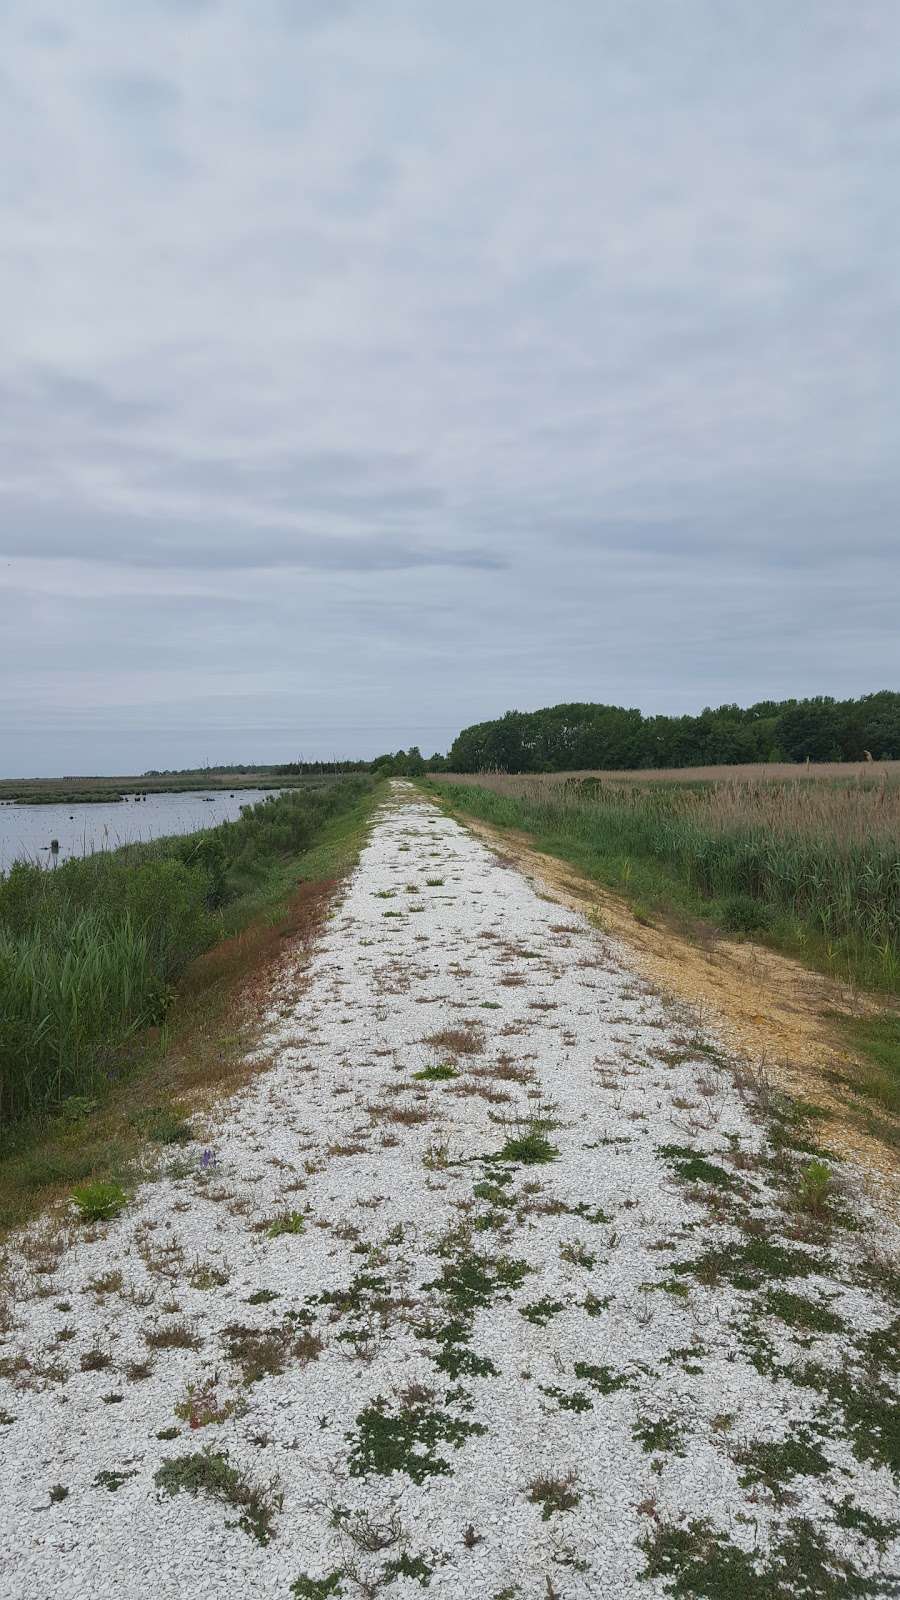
[26, 831]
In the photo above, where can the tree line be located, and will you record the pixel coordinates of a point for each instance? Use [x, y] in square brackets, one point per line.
[586, 735]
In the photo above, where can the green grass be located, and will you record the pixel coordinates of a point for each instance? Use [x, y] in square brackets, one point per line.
[135, 1087]
[99, 1202]
[288, 1222]
[877, 1040]
[529, 1149]
[90, 952]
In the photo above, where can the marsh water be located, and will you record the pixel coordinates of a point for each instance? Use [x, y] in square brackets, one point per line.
[26, 831]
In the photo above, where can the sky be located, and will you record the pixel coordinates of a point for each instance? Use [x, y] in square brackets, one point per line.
[372, 367]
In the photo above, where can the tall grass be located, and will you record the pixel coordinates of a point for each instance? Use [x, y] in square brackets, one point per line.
[822, 859]
[90, 952]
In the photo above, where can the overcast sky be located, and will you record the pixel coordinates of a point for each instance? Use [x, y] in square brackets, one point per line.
[371, 368]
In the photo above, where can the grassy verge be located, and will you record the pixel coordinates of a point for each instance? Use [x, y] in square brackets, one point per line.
[825, 888]
[876, 1040]
[622, 851]
[143, 1088]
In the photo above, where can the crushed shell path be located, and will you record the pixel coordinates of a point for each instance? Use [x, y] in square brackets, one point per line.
[477, 1375]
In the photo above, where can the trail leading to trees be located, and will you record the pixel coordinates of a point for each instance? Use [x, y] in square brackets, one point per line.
[501, 1280]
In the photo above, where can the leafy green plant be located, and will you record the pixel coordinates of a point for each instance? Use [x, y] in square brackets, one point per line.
[288, 1222]
[319, 1588]
[813, 1188]
[210, 1473]
[100, 1201]
[406, 1439]
[528, 1149]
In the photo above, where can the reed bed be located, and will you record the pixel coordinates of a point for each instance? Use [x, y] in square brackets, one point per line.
[824, 859]
[90, 952]
[864, 773]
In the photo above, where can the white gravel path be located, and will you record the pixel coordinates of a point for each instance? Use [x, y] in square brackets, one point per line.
[491, 1324]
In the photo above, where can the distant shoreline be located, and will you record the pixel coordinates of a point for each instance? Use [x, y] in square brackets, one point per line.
[106, 791]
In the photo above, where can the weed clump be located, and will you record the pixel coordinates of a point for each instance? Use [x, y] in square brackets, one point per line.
[287, 1222]
[554, 1493]
[528, 1149]
[813, 1188]
[406, 1440]
[109, 1478]
[697, 1562]
[266, 1352]
[209, 1472]
[319, 1588]
[776, 1463]
[99, 1202]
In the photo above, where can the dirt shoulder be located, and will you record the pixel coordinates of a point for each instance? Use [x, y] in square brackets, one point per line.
[765, 1006]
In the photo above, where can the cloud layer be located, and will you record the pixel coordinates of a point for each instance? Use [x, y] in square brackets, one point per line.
[372, 368]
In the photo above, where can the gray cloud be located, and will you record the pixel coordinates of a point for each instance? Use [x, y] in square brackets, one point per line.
[372, 368]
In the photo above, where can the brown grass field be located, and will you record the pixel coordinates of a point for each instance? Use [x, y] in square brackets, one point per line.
[859, 807]
[759, 772]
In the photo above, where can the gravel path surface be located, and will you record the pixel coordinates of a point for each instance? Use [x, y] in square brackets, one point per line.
[501, 1282]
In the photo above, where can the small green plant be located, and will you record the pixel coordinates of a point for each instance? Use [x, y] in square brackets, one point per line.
[813, 1189]
[696, 1562]
[692, 1166]
[798, 1311]
[540, 1312]
[528, 1149]
[601, 1378]
[204, 1275]
[99, 1201]
[437, 1074]
[405, 1566]
[164, 1126]
[567, 1399]
[287, 1222]
[319, 1588]
[201, 1405]
[210, 1472]
[110, 1479]
[577, 1255]
[58, 1493]
[663, 1433]
[493, 1192]
[878, 1529]
[777, 1462]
